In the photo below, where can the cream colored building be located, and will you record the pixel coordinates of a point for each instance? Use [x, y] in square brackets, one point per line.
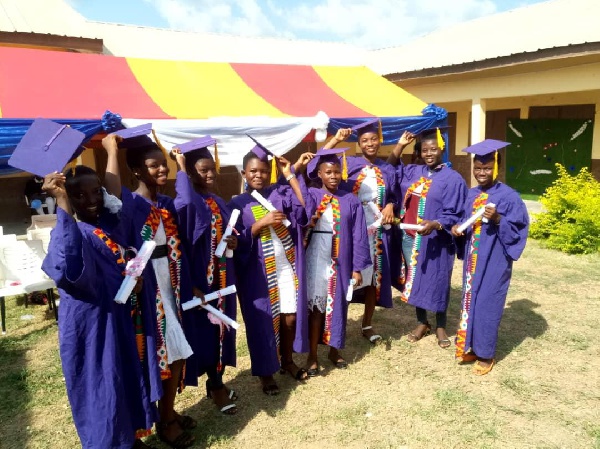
[535, 62]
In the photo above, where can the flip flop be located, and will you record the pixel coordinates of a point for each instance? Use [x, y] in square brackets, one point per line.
[373, 339]
[480, 370]
[444, 343]
[183, 440]
[299, 375]
[270, 390]
[413, 338]
[467, 358]
[313, 372]
[186, 422]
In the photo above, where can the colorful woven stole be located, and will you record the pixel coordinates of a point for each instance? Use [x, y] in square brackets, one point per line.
[461, 334]
[174, 256]
[377, 255]
[216, 233]
[136, 307]
[270, 266]
[335, 250]
[407, 276]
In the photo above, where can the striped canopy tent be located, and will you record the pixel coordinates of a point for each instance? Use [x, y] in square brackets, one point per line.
[279, 104]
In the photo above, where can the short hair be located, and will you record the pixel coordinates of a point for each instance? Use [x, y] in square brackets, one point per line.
[74, 174]
[194, 156]
[487, 158]
[135, 156]
[248, 157]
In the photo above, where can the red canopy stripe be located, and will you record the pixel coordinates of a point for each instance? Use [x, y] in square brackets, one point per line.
[295, 90]
[37, 83]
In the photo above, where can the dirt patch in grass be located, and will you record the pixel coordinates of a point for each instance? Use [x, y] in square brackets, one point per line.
[543, 393]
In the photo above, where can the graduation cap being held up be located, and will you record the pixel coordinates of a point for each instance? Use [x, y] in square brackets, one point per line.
[201, 145]
[47, 147]
[487, 149]
[263, 153]
[138, 137]
[328, 155]
[369, 126]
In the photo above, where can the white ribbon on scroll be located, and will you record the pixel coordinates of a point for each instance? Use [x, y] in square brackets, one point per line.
[378, 216]
[222, 246]
[195, 302]
[473, 219]
[410, 227]
[267, 205]
[133, 270]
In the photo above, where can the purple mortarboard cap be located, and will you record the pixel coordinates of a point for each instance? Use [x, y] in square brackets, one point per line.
[196, 144]
[46, 147]
[260, 150]
[487, 147]
[331, 155]
[141, 130]
[371, 125]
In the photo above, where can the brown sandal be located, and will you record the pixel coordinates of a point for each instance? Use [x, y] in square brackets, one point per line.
[415, 336]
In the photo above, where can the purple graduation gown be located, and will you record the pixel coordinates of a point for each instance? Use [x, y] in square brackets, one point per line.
[355, 166]
[444, 203]
[252, 287]
[354, 254]
[106, 384]
[194, 217]
[499, 246]
[136, 210]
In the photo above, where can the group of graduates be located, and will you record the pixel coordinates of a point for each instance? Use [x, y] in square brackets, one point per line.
[311, 237]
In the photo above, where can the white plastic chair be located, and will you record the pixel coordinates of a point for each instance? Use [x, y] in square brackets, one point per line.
[21, 273]
[41, 234]
[42, 221]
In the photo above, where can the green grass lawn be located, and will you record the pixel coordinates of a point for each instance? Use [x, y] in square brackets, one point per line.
[543, 393]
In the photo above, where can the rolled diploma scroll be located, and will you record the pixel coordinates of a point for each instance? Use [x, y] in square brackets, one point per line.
[195, 302]
[378, 216]
[220, 315]
[410, 227]
[267, 205]
[222, 246]
[350, 290]
[133, 270]
[473, 218]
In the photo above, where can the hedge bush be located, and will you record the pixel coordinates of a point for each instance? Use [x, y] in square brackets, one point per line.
[571, 220]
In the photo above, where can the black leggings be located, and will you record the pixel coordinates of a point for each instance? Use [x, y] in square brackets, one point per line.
[440, 317]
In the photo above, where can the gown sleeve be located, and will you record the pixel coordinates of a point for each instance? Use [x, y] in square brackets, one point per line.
[193, 215]
[514, 225]
[455, 195]
[361, 253]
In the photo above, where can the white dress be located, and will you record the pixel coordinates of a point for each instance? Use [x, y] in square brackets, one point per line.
[285, 276]
[318, 261]
[178, 347]
[368, 193]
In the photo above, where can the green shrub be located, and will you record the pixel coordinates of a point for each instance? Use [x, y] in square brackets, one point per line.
[571, 220]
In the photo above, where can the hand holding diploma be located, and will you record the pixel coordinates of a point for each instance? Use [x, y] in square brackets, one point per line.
[223, 244]
[267, 205]
[458, 230]
[202, 302]
[133, 270]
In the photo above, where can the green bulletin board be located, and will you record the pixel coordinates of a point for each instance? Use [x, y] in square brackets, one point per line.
[538, 144]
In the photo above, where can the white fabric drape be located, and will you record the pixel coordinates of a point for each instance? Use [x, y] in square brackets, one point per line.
[277, 134]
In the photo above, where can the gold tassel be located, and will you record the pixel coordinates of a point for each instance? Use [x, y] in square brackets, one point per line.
[217, 162]
[344, 167]
[273, 170]
[380, 132]
[440, 139]
[159, 145]
[73, 166]
[495, 175]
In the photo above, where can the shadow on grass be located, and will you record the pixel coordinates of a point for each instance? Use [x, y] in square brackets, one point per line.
[16, 385]
[520, 321]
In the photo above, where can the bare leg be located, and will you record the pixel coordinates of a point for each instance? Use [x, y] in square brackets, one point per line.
[315, 323]
[287, 334]
[170, 428]
[370, 301]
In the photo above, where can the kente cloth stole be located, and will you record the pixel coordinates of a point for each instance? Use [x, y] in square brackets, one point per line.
[332, 269]
[270, 266]
[461, 334]
[136, 307]
[216, 233]
[174, 256]
[377, 255]
[407, 276]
